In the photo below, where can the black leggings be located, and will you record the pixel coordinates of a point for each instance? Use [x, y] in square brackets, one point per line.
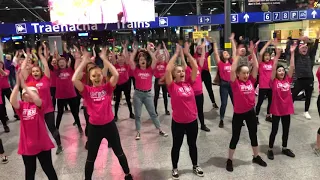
[305, 84]
[1, 147]
[95, 136]
[199, 102]
[30, 163]
[3, 115]
[125, 88]
[237, 122]
[206, 78]
[49, 118]
[285, 121]
[157, 87]
[6, 93]
[86, 117]
[74, 106]
[178, 131]
[53, 96]
[262, 94]
[132, 82]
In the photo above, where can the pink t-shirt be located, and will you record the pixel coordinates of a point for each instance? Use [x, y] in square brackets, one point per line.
[98, 103]
[205, 64]
[143, 78]
[160, 69]
[130, 72]
[265, 72]
[1, 96]
[4, 82]
[64, 85]
[34, 136]
[318, 76]
[43, 86]
[243, 94]
[197, 84]
[224, 70]
[53, 78]
[282, 103]
[123, 71]
[183, 103]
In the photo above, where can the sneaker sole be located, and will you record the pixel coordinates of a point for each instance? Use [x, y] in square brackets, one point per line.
[175, 177]
[6, 162]
[200, 175]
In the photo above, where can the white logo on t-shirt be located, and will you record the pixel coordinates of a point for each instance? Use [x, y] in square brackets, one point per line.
[283, 86]
[121, 70]
[185, 90]
[39, 85]
[29, 114]
[98, 96]
[160, 67]
[227, 68]
[144, 75]
[267, 67]
[246, 89]
[64, 75]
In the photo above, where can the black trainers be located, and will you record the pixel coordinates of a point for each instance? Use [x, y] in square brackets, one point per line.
[80, 130]
[6, 129]
[16, 116]
[229, 166]
[257, 119]
[59, 150]
[268, 118]
[215, 106]
[288, 152]
[74, 124]
[221, 124]
[167, 112]
[270, 155]
[259, 161]
[205, 128]
[175, 174]
[4, 160]
[132, 116]
[198, 171]
[128, 177]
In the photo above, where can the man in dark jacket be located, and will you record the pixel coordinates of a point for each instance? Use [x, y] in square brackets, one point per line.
[303, 71]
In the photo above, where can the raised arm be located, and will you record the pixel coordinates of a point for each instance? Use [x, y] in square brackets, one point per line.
[153, 57]
[14, 100]
[166, 52]
[171, 65]
[203, 54]
[233, 44]
[264, 50]
[78, 73]
[291, 68]
[44, 62]
[115, 75]
[216, 52]
[183, 60]
[125, 50]
[24, 71]
[132, 57]
[234, 66]
[275, 63]
[192, 61]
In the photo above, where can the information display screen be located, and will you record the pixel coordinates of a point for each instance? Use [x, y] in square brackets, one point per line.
[280, 5]
[101, 11]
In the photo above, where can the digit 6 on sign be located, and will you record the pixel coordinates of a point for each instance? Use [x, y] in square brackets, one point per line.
[267, 16]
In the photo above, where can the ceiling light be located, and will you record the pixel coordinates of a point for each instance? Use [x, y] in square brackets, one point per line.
[234, 3]
[168, 13]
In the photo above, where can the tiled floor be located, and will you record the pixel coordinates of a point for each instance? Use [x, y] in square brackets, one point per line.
[150, 159]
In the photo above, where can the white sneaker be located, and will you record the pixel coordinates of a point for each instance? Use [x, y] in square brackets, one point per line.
[307, 115]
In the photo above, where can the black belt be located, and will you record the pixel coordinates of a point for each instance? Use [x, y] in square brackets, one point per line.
[145, 91]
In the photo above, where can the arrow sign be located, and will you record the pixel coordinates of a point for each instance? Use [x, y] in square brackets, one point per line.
[207, 19]
[314, 13]
[246, 17]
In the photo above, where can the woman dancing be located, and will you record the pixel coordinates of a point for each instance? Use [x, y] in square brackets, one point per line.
[143, 71]
[242, 85]
[282, 104]
[34, 142]
[184, 109]
[98, 96]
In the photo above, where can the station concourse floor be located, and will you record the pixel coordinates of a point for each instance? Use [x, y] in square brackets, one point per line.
[150, 159]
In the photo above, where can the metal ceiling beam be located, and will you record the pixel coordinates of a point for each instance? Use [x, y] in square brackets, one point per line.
[165, 12]
[24, 7]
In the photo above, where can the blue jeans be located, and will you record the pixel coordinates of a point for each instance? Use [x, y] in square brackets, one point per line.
[225, 89]
[146, 98]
